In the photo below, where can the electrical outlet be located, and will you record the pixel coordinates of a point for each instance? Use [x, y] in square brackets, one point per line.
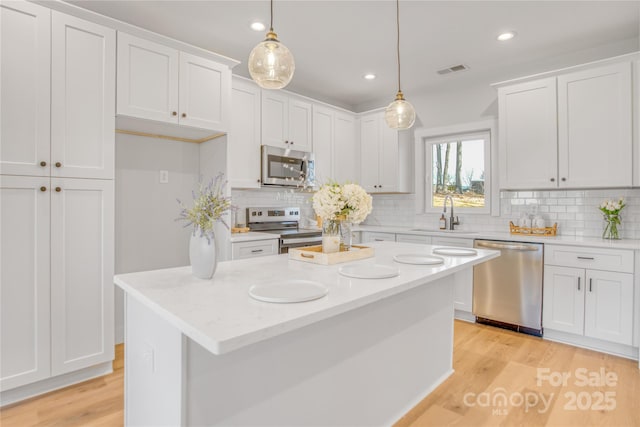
[164, 177]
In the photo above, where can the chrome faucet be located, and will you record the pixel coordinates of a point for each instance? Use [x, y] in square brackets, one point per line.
[452, 220]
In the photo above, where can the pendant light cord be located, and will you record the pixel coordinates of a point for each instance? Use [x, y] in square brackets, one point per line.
[271, 23]
[398, 38]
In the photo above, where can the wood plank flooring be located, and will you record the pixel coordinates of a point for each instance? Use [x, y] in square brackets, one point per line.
[489, 363]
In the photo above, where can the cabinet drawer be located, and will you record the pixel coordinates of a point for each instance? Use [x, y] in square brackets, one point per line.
[368, 236]
[413, 238]
[452, 241]
[593, 258]
[242, 250]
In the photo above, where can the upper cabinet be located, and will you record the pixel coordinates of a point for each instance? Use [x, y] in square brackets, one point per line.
[335, 145]
[159, 83]
[385, 156]
[243, 141]
[286, 121]
[556, 132]
[58, 94]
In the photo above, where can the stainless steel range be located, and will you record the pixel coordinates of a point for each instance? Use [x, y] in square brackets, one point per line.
[284, 222]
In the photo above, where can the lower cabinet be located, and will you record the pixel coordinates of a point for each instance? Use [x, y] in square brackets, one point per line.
[463, 281]
[253, 249]
[413, 238]
[374, 236]
[589, 292]
[57, 277]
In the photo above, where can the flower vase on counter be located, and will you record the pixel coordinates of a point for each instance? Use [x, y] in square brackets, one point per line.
[611, 212]
[203, 256]
[346, 235]
[331, 236]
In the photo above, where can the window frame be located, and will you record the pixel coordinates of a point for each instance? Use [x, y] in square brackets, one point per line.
[424, 140]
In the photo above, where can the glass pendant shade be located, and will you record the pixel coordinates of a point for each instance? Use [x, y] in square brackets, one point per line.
[271, 64]
[400, 114]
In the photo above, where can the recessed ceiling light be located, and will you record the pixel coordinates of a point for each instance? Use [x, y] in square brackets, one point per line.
[508, 35]
[369, 76]
[258, 26]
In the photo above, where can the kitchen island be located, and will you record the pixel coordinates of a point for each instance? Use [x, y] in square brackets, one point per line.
[201, 352]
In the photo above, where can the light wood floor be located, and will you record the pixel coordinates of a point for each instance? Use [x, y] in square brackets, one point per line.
[486, 360]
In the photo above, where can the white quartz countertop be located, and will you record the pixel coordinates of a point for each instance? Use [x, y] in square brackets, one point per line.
[220, 315]
[251, 236]
[493, 235]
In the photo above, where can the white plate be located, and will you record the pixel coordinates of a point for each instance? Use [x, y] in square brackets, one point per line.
[418, 259]
[455, 251]
[368, 271]
[288, 291]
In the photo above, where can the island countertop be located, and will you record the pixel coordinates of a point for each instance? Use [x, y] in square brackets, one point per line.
[220, 315]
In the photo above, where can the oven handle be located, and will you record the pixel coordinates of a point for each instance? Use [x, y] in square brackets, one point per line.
[513, 247]
[301, 240]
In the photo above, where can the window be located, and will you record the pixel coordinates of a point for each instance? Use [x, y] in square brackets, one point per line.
[459, 166]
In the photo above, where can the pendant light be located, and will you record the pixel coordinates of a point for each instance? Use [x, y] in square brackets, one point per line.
[271, 64]
[400, 114]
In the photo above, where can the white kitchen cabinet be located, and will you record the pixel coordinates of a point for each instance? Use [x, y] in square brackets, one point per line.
[589, 302]
[462, 281]
[252, 249]
[243, 141]
[374, 236]
[24, 280]
[384, 158]
[595, 107]
[157, 82]
[552, 130]
[286, 121]
[25, 78]
[334, 145]
[82, 98]
[82, 223]
[413, 238]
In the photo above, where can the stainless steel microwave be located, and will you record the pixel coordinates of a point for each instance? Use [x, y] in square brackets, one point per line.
[287, 168]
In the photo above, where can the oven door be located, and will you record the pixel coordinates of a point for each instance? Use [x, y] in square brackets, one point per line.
[287, 243]
[289, 168]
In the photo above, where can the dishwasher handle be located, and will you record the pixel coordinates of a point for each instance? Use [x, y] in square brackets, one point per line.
[508, 246]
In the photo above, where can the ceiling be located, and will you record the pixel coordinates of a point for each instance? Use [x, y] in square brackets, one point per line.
[335, 43]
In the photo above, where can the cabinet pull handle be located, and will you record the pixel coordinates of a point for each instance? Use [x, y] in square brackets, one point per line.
[58, 164]
[578, 283]
[379, 240]
[184, 115]
[43, 163]
[586, 257]
[258, 179]
[564, 179]
[553, 180]
[590, 285]
[174, 113]
[291, 142]
[58, 189]
[43, 188]
[256, 251]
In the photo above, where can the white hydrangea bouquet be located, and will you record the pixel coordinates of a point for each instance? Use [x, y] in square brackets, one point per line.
[611, 211]
[340, 206]
[348, 202]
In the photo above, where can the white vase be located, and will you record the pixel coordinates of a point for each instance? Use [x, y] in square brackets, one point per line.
[203, 257]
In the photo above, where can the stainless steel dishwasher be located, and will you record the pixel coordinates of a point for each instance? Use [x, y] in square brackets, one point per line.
[507, 291]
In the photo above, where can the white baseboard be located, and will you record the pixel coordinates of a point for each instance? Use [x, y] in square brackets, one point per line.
[602, 346]
[465, 316]
[18, 394]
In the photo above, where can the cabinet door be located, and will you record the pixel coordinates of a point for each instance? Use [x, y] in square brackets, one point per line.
[388, 175]
[147, 79]
[244, 250]
[275, 119]
[204, 93]
[463, 280]
[369, 152]
[563, 299]
[82, 98]
[528, 135]
[594, 127]
[82, 327]
[243, 145]
[371, 236]
[299, 125]
[609, 306]
[346, 164]
[413, 238]
[323, 133]
[25, 48]
[24, 280]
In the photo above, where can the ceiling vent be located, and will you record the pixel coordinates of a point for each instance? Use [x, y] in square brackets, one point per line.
[453, 69]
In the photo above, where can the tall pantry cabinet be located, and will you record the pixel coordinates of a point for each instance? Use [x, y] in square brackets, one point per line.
[56, 196]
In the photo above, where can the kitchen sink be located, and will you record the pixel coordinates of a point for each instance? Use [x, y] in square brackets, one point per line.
[437, 230]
